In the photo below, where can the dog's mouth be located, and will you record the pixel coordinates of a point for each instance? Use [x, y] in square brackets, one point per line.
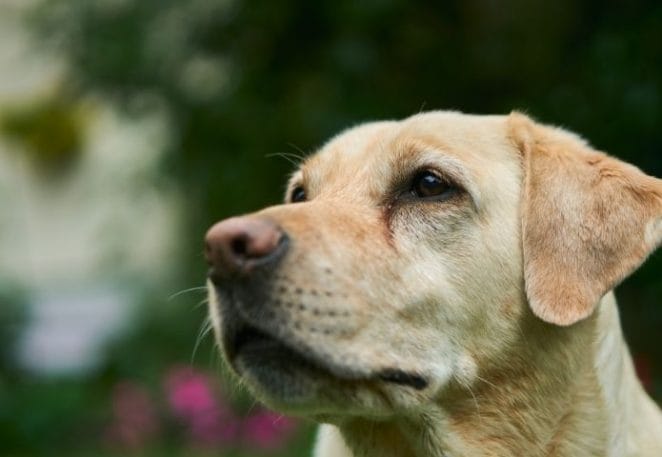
[250, 342]
[254, 350]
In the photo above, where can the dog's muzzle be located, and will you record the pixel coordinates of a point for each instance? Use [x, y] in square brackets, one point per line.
[243, 254]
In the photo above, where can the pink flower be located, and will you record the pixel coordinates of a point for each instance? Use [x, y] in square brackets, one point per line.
[189, 393]
[134, 420]
[209, 422]
[267, 430]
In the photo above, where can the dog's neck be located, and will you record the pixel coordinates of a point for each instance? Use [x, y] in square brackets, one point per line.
[553, 392]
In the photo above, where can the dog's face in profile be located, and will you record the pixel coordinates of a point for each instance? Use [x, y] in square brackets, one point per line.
[408, 256]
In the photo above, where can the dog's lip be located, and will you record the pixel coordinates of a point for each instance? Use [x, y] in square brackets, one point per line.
[250, 341]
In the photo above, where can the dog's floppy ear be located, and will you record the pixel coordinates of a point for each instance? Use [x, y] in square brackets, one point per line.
[588, 220]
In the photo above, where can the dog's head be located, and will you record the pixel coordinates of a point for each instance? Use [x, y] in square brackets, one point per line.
[407, 255]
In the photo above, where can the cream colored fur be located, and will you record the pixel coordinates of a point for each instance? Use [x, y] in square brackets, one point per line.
[499, 297]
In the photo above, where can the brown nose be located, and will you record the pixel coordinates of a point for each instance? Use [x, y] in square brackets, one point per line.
[237, 245]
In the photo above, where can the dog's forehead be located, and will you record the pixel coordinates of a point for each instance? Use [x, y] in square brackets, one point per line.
[354, 146]
[371, 153]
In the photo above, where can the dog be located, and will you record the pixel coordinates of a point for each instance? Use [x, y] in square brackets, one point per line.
[442, 286]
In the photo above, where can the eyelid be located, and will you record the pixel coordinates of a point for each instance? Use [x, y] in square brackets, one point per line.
[405, 189]
[407, 179]
[439, 174]
[446, 168]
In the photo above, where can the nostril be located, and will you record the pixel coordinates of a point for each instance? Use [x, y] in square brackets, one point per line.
[239, 246]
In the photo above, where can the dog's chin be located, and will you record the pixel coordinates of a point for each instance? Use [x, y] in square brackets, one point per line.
[283, 375]
[294, 379]
[274, 368]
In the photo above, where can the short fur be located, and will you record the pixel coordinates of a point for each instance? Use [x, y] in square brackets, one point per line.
[498, 296]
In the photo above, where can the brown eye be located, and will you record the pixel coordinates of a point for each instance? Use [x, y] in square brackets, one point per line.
[298, 195]
[427, 185]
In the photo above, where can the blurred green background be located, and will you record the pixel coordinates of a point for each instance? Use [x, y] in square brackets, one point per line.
[127, 127]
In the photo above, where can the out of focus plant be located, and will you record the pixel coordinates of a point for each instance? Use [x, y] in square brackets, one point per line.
[206, 416]
[13, 316]
[50, 131]
[134, 417]
[193, 400]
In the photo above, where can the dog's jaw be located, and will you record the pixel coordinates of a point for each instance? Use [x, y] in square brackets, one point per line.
[289, 374]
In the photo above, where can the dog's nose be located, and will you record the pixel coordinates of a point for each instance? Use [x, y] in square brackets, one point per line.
[237, 245]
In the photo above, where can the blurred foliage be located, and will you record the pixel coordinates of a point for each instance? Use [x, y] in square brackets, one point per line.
[50, 131]
[240, 80]
[13, 315]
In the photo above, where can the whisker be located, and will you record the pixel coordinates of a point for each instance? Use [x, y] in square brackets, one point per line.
[291, 158]
[480, 419]
[298, 149]
[206, 327]
[486, 381]
[181, 292]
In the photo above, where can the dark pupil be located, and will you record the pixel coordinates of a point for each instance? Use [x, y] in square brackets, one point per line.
[429, 185]
[298, 194]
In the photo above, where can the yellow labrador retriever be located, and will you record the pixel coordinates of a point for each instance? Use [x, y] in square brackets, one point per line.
[441, 286]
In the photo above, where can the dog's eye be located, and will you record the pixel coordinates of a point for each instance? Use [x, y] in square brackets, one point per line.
[426, 184]
[298, 195]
